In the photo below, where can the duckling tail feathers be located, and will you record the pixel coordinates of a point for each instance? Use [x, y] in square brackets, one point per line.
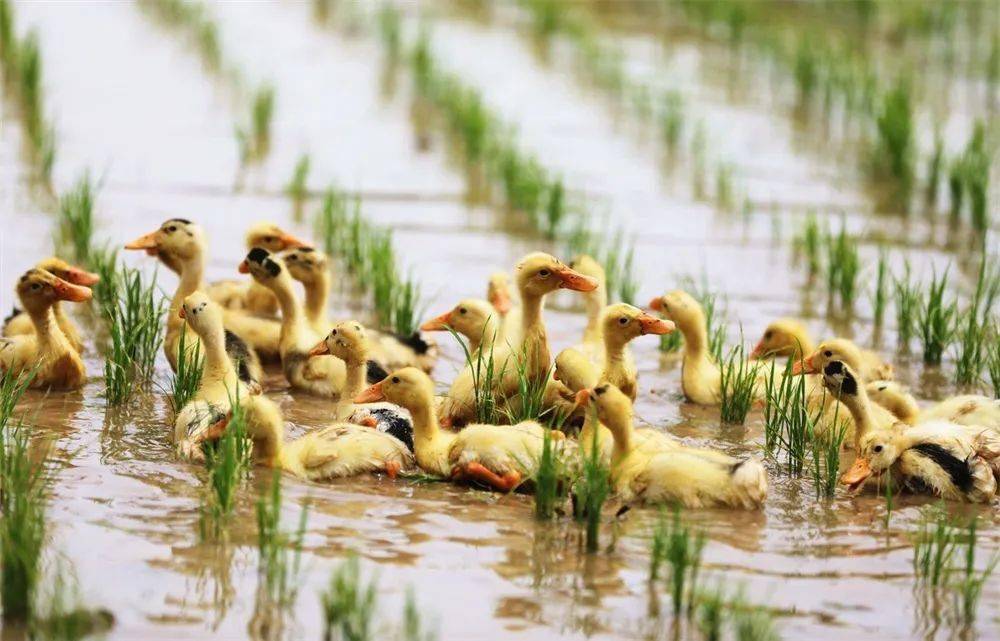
[749, 482]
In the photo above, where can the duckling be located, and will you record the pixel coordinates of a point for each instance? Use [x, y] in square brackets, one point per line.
[594, 433]
[595, 301]
[938, 458]
[869, 364]
[701, 379]
[651, 472]
[181, 243]
[18, 323]
[495, 456]
[249, 295]
[390, 351]
[784, 338]
[621, 323]
[848, 387]
[221, 383]
[499, 296]
[966, 409]
[46, 353]
[336, 451]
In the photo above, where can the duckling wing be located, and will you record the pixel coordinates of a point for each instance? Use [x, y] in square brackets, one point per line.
[346, 450]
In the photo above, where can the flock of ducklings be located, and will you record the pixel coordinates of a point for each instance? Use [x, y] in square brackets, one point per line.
[386, 417]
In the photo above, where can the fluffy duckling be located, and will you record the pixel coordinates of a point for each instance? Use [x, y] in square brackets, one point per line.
[595, 301]
[46, 352]
[867, 363]
[499, 296]
[180, 243]
[497, 456]
[845, 385]
[336, 451]
[251, 296]
[784, 338]
[18, 323]
[324, 375]
[701, 379]
[221, 383]
[936, 458]
[966, 409]
[621, 323]
[391, 351]
[651, 471]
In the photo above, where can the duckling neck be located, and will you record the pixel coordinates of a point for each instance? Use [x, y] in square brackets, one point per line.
[535, 342]
[621, 430]
[861, 411]
[47, 329]
[906, 409]
[356, 375]
[695, 342]
[317, 295]
[218, 366]
[292, 320]
[191, 274]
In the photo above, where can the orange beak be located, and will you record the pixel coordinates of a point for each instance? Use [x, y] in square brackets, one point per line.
[291, 242]
[501, 302]
[582, 397]
[244, 267]
[656, 304]
[758, 351]
[319, 350]
[182, 313]
[652, 325]
[807, 366]
[855, 477]
[147, 242]
[576, 281]
[371, 395]
[438, 324]
[78, 276]
[70, 292]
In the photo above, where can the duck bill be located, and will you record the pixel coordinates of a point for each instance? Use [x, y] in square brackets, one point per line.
[501, 302]
[79, 276]
[373, 394]
[860, 472]
[72, 293]
[437, 324]
[244, 267]
[582, 398]
[569, 279]
[656, 304]
[758, 351]
[147, 242]
[319, 350]
[652, 325]
[805, 366]
[291, 242]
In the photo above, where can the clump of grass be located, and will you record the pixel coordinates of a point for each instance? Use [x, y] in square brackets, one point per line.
[906, 294]
[934, 546]
[390, 31]
[972, 335]
[532, 380]
[843, 266]
[12, 388]
[969, 176]
[134, 327]
[880, 293]
[678, 547]
[185, 381]
[971, 579]
[712, 612]
[76, 220]
[826, 449]
[672, 119]
[60, 615]
[936, 320]
[191, 21]
[934, 164]
[104, 261]
[279, 552]
[671, 342]
[590, 491]
[485, 376]
[788, 423]
[550, 479]
[349, 604]
[752, 623]
[739, 378]
[724, 198]
[254, 139]
[993, 362]
[807, 242]
[227, 461]
[896, 147]
[297, 189]
[25, 482]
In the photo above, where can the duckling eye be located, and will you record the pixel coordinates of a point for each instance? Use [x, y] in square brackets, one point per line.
[172, 229]
[35, 286]
[462, 310]
[544, 273]
[292, 257]
[877, 449]
[395, 379]
[768, 335]
[881, 388]
[600, 390]
[828, 353]
[334, 332]
[268, 239]
[357, 327]
[623, 321]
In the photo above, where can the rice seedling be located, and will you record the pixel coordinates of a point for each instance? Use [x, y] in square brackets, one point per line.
[254, 139]
[971, 579]
[672, 342]
[485, 376]
[712, 611]
[936, 320]
[826, 448]
[104, 261]
[413, 628]
[349, 604]
[590, 491]
[76, 220]
[190, 364]
[12, 388]
[8, 45]
[842, 266]
[971, 335]
[956, 187]
[753, 624]
[528, 402]
[977, 162]
[679, 547]
[390, 31]
[672, 119]
[739, 379]
[192, 21]
[59, 613]
[906, 294]
[934, 165]
[896, 147]
[227, 461]
[550, 478]
[724, 198]
[25, 485]
[134, 327]
[934, 546]
[993, 362]
[788, 423]
[555, 209]
[808, 243]
[879, 295]
[279, 553]
[297, 189]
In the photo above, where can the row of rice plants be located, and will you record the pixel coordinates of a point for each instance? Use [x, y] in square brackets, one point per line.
[21, 70]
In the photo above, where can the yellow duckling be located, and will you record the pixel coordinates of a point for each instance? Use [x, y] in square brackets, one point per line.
[499, 296]
[621, 323]
[46, 352]
[845, 385]
[181, 244]
[966, 409]
[594, 301]
[701, 379]
[19, 322]
[937, 458]
[651, 471]
[497, 456]
[249, 295]
[784, 338]
[594, 433]
[869, 364]
[311, 268]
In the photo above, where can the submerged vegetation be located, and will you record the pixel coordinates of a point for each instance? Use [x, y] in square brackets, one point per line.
[135, 329]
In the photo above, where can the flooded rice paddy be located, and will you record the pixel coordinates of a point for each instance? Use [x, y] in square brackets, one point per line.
[133, 104]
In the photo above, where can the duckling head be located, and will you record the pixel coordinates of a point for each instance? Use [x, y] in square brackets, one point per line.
[498, 292]
[272, 238]
[470, 318]
[305, 264]
[265, 267]
[835, 349]
[202, 315]
[69, 273]
[783, 337]
[408, 387]
[177, 239]
[539, 274]
[623, 322]
[347, 341]
[681, 308]
[841, 380]
[613, 407]
[877, 452]
[572, 369]
[39, 289]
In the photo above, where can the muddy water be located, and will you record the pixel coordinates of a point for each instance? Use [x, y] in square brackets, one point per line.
[160, 133]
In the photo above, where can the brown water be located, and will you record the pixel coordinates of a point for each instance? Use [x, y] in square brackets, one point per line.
[133, 105]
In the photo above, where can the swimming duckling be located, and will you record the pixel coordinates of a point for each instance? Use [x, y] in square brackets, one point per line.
[46, 354]
[868, 364]
[18, 323]
[965, 409]
[845, 385]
